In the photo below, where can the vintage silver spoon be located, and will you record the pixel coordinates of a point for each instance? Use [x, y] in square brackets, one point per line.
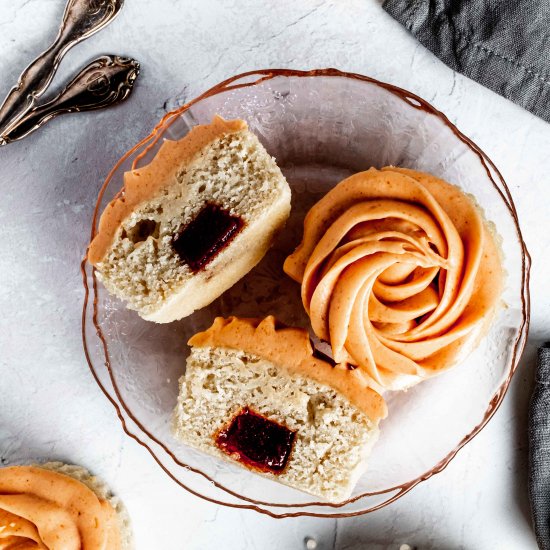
[106, 81]
[81, 19]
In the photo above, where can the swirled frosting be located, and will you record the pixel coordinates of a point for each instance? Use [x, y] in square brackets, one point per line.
[399, 273]
[43, 509]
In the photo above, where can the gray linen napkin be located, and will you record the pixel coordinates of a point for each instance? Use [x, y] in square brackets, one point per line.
[502, 44]
[539, 449]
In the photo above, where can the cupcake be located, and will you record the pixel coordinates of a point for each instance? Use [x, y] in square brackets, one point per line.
[399, 272]
[190, 224]
[60, 506]
[255, 393]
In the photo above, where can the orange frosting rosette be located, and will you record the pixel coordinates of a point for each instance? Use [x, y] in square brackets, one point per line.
[399, 274]
[43, 509]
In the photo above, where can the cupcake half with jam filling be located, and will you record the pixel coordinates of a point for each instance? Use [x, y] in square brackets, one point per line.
[190, 224]
[60, 506]
[256, 394]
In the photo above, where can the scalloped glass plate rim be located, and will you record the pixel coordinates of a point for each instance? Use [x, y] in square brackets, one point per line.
[149, 141]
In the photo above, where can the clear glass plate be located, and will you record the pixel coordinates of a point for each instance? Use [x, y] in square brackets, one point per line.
[321, 126]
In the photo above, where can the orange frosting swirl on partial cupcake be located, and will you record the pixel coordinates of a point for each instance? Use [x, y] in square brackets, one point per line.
[399, 274]
[40, 509]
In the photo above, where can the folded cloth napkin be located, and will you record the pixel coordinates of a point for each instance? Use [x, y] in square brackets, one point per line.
[503, 44]
[539, 449]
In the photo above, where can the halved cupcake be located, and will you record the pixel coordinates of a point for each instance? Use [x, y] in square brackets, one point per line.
[257, 394]
[190, 224]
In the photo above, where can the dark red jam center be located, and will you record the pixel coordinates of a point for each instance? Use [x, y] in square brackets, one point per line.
[257, 441]
[200, 240]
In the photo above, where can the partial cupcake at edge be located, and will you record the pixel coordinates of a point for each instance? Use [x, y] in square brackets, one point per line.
[60, 507]
[400, 275]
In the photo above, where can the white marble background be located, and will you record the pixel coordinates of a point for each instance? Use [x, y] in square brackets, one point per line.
[50, 407]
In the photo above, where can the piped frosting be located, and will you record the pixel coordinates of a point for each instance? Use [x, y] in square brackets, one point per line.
[40, 508]
[290, 349]
[398, 272]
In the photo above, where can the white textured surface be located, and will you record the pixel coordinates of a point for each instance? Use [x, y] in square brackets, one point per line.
[50, 407]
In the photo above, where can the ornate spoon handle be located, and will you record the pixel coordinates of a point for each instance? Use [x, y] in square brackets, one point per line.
[81, 19]
[106, 81]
